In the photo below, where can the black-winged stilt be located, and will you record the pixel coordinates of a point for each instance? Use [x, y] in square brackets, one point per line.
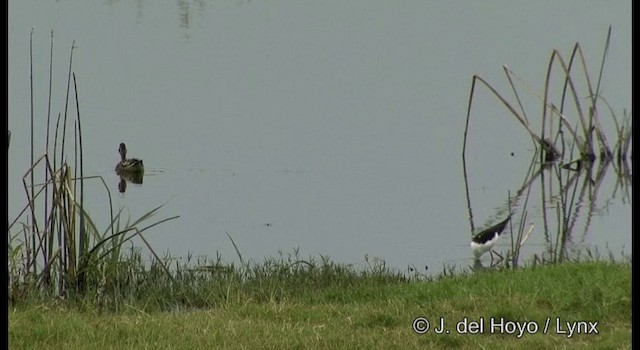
[483, 242]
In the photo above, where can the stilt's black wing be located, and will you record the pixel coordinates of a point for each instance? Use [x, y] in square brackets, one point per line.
[488, 234]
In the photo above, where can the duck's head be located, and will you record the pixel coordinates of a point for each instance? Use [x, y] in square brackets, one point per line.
[122, 150]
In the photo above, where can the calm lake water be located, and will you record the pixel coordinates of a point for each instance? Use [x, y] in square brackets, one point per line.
[329, 126]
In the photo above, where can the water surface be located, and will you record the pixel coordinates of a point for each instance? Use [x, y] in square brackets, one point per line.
[331, 127]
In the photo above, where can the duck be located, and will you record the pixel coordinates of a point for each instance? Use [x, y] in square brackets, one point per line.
[128, 166]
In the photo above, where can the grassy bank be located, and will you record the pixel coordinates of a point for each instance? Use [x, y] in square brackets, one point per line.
[374, 313]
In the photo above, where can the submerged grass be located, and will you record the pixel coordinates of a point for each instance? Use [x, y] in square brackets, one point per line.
[353, 310]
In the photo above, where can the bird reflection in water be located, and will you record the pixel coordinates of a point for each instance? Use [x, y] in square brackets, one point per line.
[133, 178]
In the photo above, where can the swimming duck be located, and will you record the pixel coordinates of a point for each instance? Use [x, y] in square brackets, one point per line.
[128, 166]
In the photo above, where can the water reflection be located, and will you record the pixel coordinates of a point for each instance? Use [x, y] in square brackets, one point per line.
[133, 178]
[186, 13]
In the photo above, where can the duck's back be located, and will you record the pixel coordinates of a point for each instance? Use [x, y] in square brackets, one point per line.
[130, 165]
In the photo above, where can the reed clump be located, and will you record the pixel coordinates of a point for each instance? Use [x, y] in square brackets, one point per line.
[55, 248]
[573, 153]
[567, 112]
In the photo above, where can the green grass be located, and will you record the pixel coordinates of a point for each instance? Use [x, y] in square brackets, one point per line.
[369, 312]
